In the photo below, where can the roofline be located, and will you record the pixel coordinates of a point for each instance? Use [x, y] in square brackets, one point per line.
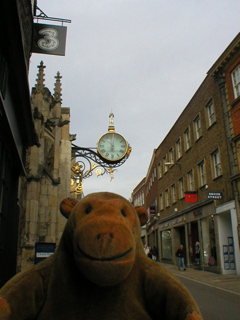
[227, 54]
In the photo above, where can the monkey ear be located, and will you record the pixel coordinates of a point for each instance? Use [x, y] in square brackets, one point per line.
[142, 214]
[67, 205]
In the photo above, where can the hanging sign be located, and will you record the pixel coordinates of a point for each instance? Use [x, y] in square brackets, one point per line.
[191, 197]
[49, 39]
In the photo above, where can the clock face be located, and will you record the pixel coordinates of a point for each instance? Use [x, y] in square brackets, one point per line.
[112, 146]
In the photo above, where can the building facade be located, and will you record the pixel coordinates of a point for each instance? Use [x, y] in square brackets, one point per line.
[48, 168]
[151, 201]
[138, 198]
[17, 131]
[198, 174]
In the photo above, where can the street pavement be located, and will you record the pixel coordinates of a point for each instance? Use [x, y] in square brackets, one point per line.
[229, 283]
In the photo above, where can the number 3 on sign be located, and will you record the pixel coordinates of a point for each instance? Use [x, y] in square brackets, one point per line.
[50, 41]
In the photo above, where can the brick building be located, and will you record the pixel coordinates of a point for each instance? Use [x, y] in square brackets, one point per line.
[151, 200]
[17, 131]
[48, 168]
[139, 199]
[198, 174]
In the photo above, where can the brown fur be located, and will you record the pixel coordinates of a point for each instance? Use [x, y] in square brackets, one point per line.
[99, 271]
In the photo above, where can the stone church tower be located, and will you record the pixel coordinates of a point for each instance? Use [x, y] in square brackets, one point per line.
[48, 168]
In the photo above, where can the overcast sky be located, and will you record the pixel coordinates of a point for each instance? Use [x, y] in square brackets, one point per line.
[142, 59]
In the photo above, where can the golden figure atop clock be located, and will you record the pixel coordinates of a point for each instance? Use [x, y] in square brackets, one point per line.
[112, 146]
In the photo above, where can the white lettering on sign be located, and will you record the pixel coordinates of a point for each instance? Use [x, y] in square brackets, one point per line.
[50, 41]
[43, 254]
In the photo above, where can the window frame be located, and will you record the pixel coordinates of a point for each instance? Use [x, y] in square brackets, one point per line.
[187, 139]
[216, 166]
[174, 193]
[178, 148]
[190, 180]
[167, 198]
[160, 170]
[171, 155]
[181, 188]
[202, 173]
[236, 81]
[165, 168]
[161, 203]
[210, 115]
[197, 128]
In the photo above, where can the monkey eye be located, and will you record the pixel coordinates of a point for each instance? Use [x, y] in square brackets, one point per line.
[88, 209]
[123, 212]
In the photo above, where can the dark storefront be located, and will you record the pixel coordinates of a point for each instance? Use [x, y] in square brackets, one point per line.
[17, 131]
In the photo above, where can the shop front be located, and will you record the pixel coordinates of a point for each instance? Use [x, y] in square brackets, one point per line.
[228, 238]
[197, 231]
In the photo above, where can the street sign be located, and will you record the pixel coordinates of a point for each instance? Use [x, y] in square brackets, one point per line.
[215, 195]
[43, 250]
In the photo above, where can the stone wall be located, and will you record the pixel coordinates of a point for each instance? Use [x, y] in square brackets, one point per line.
[48, 173]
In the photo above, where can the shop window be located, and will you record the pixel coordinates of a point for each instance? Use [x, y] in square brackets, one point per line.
[216, 164]
[209, 242]
[236, 81]
[197, 127]
[178, 149]
[167, 245]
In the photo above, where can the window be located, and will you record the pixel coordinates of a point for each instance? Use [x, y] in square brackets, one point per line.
[202, 174]
[161, 201]
[167, 203]
[181, 188]
[187, 139]
[178, 149]
[210, 114]
[236, 81]
[216, 164]
[165, 168]
[190, 181]
[174, 197]
[171, 158]
[197, 127]
[159, 170]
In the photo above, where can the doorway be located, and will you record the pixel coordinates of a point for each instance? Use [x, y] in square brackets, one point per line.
[194, 244]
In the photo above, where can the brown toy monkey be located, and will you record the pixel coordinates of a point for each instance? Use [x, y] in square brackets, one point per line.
[99, 271]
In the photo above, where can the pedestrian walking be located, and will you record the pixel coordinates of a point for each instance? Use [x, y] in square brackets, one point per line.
[150, 253]
[180, 254]
[146, 250]
[154, 253]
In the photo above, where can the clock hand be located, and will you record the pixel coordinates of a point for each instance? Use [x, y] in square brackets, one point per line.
[110, 143]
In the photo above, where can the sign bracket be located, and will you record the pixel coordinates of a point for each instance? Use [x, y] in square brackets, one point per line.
[42, 16]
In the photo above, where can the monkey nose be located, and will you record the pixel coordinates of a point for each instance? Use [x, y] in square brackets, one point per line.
[104, 241]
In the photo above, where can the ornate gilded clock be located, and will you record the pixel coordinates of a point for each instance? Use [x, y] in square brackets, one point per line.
[112, 146]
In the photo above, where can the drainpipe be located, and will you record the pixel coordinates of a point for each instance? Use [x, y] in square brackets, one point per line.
[222, 82]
